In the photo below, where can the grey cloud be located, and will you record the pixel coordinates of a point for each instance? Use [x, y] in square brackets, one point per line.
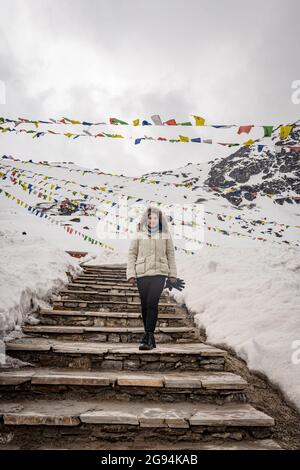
[231, 62]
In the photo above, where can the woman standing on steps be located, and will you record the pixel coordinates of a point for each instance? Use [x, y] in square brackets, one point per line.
[151, 259]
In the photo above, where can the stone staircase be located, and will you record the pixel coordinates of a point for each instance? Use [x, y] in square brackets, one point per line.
[89, 384]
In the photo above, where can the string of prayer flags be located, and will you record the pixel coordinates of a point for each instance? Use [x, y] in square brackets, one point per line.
[25, 186]
[40, 214]
[284, 132]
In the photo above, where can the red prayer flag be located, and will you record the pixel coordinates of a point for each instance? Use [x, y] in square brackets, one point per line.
[171, 122]
[297, 148]
[245, 129]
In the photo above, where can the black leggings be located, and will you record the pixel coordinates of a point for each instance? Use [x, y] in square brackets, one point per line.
[150, 289]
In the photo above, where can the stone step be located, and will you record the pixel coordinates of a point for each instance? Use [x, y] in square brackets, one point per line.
[208, 387]
[121, 289]
[117, 356]
[82, 304]
[127, 421]
[89, 294]
[102, 277]
[96, 280]
[126, 319]
[104, 287]
[96, 444]
[104, 268]
[103, 274]
[101, 280]
[114, 334]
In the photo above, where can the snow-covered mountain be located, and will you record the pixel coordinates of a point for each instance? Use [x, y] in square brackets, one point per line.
[269, 171]
[247, 196]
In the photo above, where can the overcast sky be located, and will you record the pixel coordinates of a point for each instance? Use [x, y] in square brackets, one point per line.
[232, 62]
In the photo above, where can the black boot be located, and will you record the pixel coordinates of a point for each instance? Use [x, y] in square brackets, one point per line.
[152, 339]
[144, 341]
[150, 343]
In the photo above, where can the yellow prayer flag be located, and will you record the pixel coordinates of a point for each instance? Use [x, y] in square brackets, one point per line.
[285, 131]
[136, 122]
[183, 138]
[199, 120]
[249, 142]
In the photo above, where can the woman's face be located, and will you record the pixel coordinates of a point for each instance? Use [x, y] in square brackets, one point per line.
[153, 220]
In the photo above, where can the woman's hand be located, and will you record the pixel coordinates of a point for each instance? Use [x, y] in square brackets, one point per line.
[172, 280]
[132, 281]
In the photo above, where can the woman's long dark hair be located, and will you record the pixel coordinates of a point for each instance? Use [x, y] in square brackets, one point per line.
[163, 224]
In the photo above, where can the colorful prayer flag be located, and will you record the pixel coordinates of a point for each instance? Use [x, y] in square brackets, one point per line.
[199, 120]
[117, 121]
[249, 142]
[157, 120]
[171, 122]
[285, 131]
[268, 131]
[245, 129]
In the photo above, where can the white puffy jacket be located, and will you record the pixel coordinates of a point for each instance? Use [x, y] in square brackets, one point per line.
[148, 256]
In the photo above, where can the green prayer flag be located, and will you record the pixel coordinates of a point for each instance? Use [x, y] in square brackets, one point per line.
[268, 131]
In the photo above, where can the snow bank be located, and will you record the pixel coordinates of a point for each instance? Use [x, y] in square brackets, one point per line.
[31, 269]
[249, 299]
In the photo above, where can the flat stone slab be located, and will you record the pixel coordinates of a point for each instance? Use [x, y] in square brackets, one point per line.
[109, 417]
[145, 414]
[115, 302]
[29, 344]
[39, 419]
[222, 380]
[83, 313]
[231, 415]
[44, 344]
[141, 380]
[261, 444]
[160, 417]
[184, 380]
[73, 378]
[16, 377]
[180, 381]
[60, 329]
